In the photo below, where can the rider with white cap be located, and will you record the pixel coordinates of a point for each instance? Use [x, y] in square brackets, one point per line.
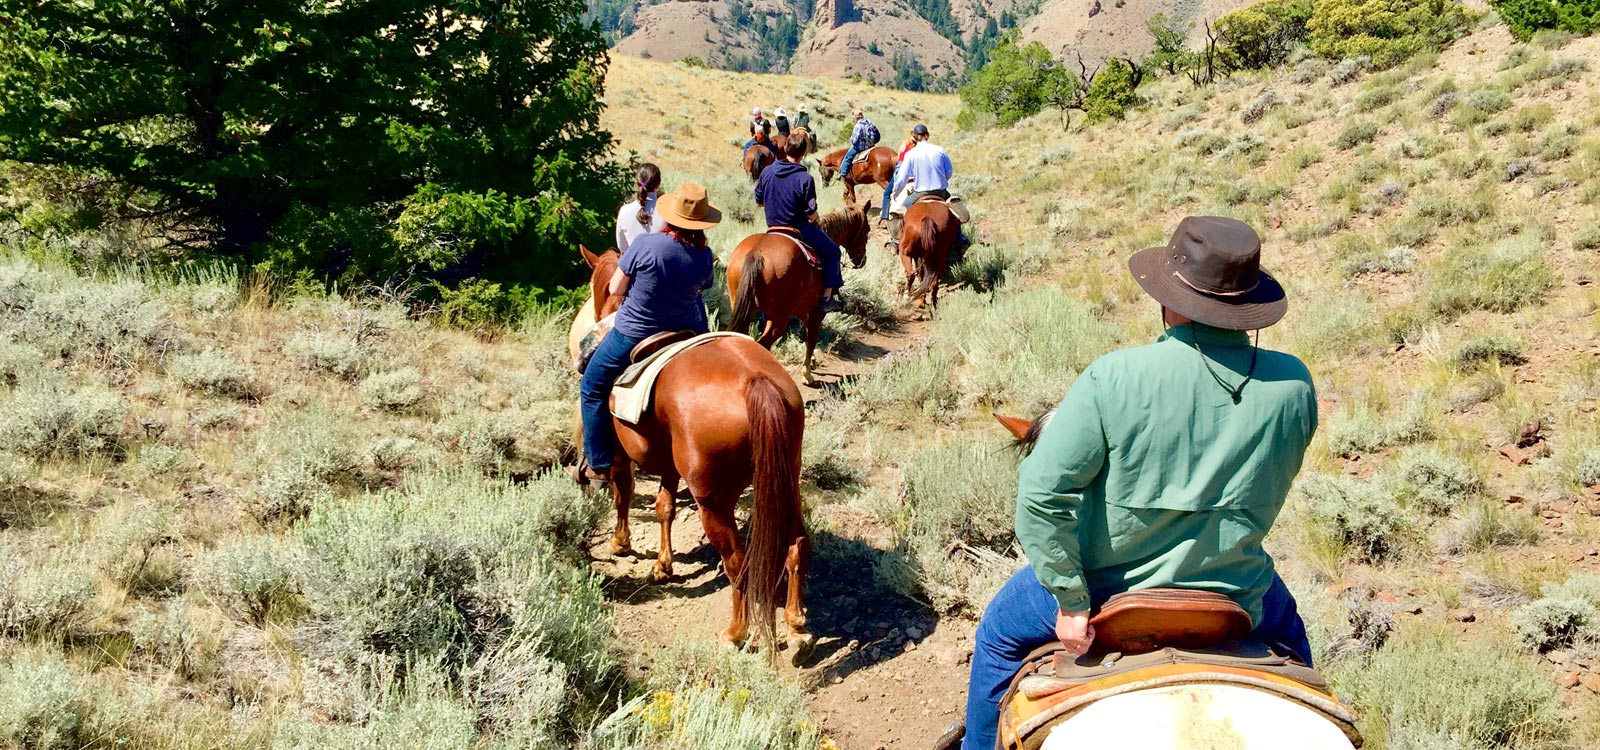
[780, 120]
[760, 129]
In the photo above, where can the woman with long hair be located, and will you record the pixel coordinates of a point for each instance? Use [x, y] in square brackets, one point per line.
[659, 280]
[638, 217]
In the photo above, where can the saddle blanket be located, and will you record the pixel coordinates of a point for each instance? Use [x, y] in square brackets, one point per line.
[631, 394]
[863, 156]
[805, 250]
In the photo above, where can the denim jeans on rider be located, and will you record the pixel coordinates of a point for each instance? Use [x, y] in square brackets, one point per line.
[849, 156]
[607, 364]
[1022, 617]
[828, 252]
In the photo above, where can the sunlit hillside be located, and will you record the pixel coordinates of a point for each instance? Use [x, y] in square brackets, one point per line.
[240, 516]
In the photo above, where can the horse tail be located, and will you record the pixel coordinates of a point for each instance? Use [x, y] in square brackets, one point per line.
[927, 246]
[775, 517]
[744, 303]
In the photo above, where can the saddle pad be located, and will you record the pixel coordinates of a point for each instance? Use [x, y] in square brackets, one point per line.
[631, 394]
[805, 250]
[861, 157]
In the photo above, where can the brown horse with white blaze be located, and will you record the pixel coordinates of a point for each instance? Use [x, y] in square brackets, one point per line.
[876, 169]
[768, 273]
[931, 231]
[725, 416]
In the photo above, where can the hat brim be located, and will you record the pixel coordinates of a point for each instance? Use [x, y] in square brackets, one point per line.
[670, 215]
[1260, 308]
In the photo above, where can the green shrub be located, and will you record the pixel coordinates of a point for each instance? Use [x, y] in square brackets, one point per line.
[1504, 278]
[1485, 524]
[1550, 623]
[1376, 98]
[1480, 350]
[43, 705]
[1264, 34]
[1497, 698]
[1360, 517]
[828, 459]
[1527, 17]
[306, 455]
[1021, 348]
[701, 697]
[1349, 70]
[43, 599]
[916, 380]
[1453, 208]
[332, 353]
[1395, 260]
[487, 441]
[213, 373]
[74, 317]
[396, 390]
[1018, 81]
[49, 420]
[1435, 481]
[1387, 31]
[251, 579]
[132, 548]
[1587, 238]
[1362, 431]
[956, 524]
[183, 641]
[1111, 93]
[1355, 134]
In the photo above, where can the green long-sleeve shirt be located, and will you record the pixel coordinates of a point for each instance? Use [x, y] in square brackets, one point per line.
[1149, 475]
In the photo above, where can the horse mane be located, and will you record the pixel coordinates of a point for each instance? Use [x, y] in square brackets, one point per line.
[842, 222]
[605, 267]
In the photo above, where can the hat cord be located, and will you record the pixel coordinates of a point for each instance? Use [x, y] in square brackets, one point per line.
[1236, 393]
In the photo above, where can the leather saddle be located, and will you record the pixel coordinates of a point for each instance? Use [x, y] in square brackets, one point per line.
[656, 343]
[863, 156]
[1137, 622]
[793, 235]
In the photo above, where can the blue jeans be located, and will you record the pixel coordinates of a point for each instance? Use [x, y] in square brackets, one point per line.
[607, 364]
[1022, 617]
[849, 156]
[827, 251]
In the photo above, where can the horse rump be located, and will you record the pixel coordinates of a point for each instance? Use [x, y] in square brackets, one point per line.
[775, 520]
[927, 249]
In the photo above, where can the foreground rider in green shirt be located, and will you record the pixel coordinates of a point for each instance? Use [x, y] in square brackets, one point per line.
[1164, 466]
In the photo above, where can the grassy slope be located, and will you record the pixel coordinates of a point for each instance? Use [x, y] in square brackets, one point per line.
[144, 543]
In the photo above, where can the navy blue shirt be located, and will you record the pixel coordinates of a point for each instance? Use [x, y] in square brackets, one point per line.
[788, 193]
[664, 294]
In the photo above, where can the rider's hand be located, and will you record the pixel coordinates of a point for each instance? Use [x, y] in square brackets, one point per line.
[1075, 632]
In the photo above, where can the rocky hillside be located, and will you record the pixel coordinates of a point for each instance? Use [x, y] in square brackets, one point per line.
[923, 44]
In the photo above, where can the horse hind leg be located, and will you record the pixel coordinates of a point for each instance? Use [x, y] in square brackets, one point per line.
[801, 642]
[813, 333]
[666, 510]
[716, 514]
[622, 497]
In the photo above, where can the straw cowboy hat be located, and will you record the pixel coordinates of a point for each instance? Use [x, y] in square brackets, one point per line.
[1210, 272]
[688, 208]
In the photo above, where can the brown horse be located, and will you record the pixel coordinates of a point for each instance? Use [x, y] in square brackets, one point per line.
[877, 169]
[802, 136]
[768, 273]
[725, 415]
[757, 159]
[931, 230]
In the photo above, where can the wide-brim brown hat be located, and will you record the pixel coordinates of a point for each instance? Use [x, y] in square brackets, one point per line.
[688, 208]
[1210, 272]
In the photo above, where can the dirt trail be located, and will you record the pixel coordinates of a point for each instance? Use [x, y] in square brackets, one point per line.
[888, 673]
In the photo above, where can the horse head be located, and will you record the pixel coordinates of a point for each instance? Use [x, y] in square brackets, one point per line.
[1027, 433]
[856, 246]
[604, 266]
[829, 166]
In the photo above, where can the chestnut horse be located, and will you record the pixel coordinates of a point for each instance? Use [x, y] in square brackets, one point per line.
[724, 415]
[931, 230]
[757, 159]
[768, 273]
[803, 136]
[877, 169]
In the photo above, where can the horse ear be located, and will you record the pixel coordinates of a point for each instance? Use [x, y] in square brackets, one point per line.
[589, 257]
[866, 208]
[1017, 426]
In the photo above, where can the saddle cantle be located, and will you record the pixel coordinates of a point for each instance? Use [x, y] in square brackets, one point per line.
[652, 344]
[793, 235]
[1136, 622]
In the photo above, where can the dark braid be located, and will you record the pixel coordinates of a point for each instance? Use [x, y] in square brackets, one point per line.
[647, 181]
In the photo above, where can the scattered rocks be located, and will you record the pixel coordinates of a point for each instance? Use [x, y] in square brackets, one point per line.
[1462, 615]
[1568, 680]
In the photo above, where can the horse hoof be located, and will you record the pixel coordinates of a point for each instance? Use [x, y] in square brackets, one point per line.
[619, 548]
[729, 642]
[660, 573]
[801, 648]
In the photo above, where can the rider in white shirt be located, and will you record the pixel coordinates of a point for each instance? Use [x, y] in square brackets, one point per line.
[638, 216]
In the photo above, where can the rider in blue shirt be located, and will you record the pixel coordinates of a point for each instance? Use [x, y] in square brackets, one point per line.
[860, 140]
[789, 196]
[660, 279]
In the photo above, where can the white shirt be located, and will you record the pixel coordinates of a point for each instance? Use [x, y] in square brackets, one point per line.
[628, 226]
[929, 165]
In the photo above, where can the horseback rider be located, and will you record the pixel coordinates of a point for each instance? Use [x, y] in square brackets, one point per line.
[899, 167]
[862, 138]
[760, 130]
[802, 118]
[780, 122]
[1165, 466]
[660, 279]
[930, 168]
[789, 195]
[638, 217]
